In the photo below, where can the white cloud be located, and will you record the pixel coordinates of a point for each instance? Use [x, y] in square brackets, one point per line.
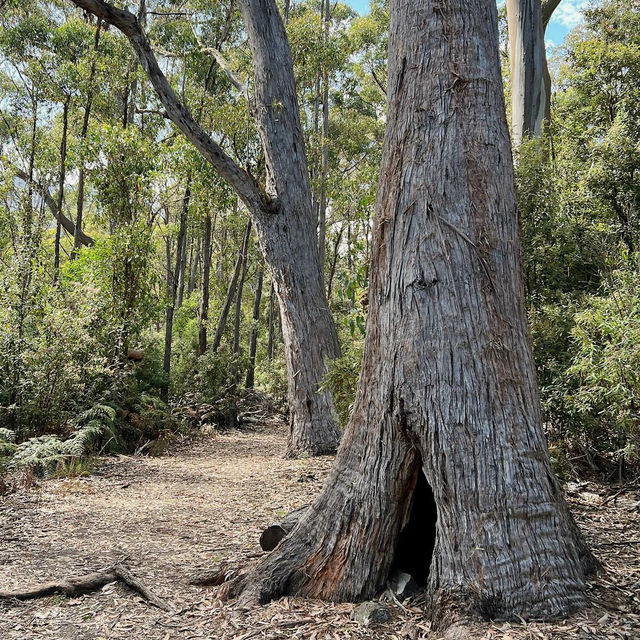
[569, 13]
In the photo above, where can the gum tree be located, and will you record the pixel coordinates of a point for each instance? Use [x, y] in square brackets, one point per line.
[446, 431]
[281, 209]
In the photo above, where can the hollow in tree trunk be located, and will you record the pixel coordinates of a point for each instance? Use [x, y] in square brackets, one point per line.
[446, 431]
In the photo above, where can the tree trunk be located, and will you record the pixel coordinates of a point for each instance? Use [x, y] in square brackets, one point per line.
[253, 341]
[194, 265]
[181, 273]
[288, 240]
[172, 291]
[271, 324]
[446, 432]
[231, 290]
[77, 234]
[281, 211]
[63, 173]
[204, 297]
[324, 167]
[237, 316]
[530, 79]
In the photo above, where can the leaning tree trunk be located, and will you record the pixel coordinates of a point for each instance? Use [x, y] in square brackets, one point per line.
[231, 289]
[448, 385]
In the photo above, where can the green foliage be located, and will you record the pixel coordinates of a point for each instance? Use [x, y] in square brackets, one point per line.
[579, 197]
[48, 454]
[342, 380]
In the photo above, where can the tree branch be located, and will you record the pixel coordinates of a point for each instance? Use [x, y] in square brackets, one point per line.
[65, 222]
[548, 7]
[244, 184]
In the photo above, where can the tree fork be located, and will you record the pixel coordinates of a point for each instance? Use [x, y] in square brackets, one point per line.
[281, 210]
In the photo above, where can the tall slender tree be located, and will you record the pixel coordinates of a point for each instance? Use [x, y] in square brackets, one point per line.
[446, 431]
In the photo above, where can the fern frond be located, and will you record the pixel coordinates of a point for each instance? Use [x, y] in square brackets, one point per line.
[6, 435]
[41, 455]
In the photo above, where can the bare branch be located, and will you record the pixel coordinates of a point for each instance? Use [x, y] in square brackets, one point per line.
[223, 64]
[244, 184]
[49, 200]
[548, 7]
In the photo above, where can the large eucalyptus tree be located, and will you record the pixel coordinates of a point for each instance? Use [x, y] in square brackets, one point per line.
[447, 395]
[281, 210]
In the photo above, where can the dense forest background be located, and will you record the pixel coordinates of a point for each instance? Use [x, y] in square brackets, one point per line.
[134, 302]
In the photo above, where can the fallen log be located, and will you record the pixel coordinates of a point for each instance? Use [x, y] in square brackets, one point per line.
[273, 535]
[77, 585]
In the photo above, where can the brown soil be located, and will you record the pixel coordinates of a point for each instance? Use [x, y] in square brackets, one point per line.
[207, 501]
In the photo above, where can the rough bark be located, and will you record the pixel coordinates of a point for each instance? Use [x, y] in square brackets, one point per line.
[253, 340]
[289, 242]
[448, 384]
[281, 211]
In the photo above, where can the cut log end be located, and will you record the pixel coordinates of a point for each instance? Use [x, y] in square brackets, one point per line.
[271, 537]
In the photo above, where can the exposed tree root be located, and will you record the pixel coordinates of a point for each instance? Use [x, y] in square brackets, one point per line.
[86, 583]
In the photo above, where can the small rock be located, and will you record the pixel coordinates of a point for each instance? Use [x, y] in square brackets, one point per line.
[371, 613]
[402, 584]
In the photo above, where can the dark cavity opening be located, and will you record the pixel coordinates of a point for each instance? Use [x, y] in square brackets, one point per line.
[417, 538]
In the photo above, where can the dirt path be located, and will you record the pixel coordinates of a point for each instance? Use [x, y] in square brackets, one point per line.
[206, 501]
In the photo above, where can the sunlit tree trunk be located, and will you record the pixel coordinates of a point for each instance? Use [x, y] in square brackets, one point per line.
[446, 430]
[530, 79]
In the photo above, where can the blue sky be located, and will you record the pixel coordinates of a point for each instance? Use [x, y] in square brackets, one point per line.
[566, 16]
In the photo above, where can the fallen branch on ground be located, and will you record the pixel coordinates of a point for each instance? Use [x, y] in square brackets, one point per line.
[77, 585]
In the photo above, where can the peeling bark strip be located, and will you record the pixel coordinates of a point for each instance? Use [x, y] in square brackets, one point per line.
[281, 212]
[448, 384]
[86, 583]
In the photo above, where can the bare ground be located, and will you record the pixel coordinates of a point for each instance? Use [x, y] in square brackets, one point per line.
[207, 501]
